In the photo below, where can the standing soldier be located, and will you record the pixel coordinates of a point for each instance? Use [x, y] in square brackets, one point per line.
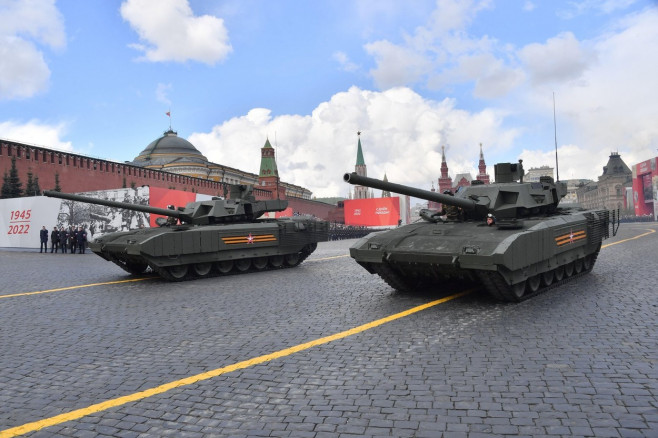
[43, 235]
[63, 239]
[82, 240]
[73, 236]
[54, 240]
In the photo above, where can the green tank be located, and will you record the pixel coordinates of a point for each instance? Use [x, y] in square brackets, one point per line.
[510, 237]
[209, 238]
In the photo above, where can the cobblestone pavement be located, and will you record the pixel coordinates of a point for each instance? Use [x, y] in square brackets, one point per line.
[580, 360]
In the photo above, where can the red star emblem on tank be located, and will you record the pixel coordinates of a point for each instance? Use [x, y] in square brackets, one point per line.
[250, 238]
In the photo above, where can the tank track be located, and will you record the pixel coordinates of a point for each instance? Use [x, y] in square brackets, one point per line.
[287, 262]
[271, 263]
[493, 282]
[392, 278]
[498, 288]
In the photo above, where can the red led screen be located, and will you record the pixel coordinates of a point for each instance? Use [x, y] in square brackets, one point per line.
[372, 212]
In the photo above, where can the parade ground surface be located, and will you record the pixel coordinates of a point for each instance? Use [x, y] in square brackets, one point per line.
[324, 350]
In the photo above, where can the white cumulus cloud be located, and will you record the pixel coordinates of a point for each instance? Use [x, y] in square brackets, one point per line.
[562, 58]
[169, 31]
[27, 26]
[37, 133]
[402, 134]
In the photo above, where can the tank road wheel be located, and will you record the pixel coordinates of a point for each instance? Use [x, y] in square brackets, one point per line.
[518, 290]
[578, 266]
[243, 265]
[292, 259]
[276, 261]
[568, 269]
[559, 273]
[225, 266]
[587, 263]
[202, 269]
[547, 278]
[174, 273]
[533, 283]
[260, 263]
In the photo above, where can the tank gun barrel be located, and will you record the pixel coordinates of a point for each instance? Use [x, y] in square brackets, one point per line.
[116, 204]
[466, 204]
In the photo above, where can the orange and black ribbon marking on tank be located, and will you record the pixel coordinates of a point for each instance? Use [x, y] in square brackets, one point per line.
[249, 239]
[571, 237]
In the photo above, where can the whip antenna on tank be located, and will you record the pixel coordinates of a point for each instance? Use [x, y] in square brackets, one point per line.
[557, 169]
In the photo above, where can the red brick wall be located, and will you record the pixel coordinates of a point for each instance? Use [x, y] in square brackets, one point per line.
[77, 173]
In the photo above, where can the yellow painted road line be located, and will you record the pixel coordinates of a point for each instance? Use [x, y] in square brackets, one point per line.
[327, 258]
[119, 401]
[650, 231]
[75, 287]
[20, 294]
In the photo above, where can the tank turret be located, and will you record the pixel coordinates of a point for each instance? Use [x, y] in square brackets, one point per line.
[241, 207]
[508, 198]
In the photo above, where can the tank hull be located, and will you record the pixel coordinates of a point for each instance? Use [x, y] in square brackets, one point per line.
[512, 263]
[187, 251]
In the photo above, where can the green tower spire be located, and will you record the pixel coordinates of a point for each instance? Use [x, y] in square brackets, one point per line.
[268, 161]
[359, 153]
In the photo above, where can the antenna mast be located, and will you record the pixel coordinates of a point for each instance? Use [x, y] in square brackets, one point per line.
[557, 169]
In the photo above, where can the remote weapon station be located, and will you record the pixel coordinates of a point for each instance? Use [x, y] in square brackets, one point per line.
[509, 236]
[207, 238]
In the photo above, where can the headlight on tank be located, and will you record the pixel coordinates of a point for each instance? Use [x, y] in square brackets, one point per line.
[373, 245]
[470, 250]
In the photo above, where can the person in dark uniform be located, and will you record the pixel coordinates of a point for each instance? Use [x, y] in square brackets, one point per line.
[72, 241]
[81, 238]
[451, 212]
[43, 235]
[54, 240]
[63, 239]
[491, 220]
[172, 220]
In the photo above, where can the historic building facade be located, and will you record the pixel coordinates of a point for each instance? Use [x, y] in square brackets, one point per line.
[609, 192]
[535, 173]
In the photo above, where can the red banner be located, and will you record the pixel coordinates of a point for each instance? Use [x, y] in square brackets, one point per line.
[159, 197]
[372, 212]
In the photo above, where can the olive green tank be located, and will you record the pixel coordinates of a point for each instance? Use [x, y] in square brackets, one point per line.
[209, 238]
[510, 237]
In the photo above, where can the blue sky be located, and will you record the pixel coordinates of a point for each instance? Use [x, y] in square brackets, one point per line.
[96, 77]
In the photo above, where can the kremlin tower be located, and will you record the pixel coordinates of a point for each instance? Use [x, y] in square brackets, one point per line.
[445, 182]
[482, 169]
[268, 177]
[360, 192]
